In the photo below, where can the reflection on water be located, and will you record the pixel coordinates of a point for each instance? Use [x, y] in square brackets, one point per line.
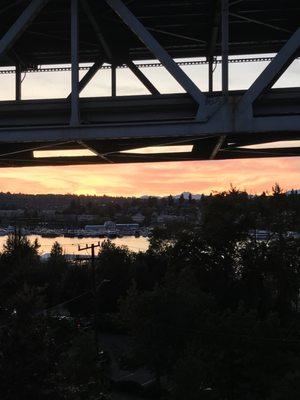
[70, 245]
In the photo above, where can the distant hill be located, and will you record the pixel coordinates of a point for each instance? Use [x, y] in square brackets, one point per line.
[295, 191]
[186, 196]
[177, 196]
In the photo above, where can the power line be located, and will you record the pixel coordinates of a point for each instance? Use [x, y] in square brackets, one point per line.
[64, 302]
[45, 310]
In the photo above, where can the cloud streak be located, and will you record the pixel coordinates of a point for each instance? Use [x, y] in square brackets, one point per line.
[154, 179]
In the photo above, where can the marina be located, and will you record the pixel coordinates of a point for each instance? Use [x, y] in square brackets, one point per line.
[70, 244]
[109, 230]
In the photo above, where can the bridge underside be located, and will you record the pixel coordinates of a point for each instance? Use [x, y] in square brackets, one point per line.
[258, 122]
[112, 127]
[185, 28]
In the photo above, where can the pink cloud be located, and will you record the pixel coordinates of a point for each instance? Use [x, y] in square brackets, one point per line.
[161, 179]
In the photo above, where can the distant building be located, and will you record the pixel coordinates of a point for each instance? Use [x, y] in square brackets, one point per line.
[110, 227]
[294, 191]
[262, 235]
[294, 235]
[95, 229]
[128, 229]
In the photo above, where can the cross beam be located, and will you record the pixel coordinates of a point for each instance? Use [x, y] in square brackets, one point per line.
[88, 76]
[272, 72]
[94, 23]
[145, 81]
[160, 53]
[20, 25]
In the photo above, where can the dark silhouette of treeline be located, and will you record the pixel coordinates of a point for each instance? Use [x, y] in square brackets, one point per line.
[44, 201]
[259, 210]
[212, 312]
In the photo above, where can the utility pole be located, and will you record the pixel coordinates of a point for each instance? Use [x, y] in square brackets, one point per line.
[93, 287]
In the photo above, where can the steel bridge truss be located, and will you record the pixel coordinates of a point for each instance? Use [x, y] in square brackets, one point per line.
[216, 124]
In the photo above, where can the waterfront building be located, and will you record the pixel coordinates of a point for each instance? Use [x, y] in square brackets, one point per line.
[110, 227]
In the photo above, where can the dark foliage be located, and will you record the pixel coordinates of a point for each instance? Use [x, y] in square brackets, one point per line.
[212, 312]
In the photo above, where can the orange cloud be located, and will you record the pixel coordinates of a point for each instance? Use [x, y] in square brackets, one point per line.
[154, 179]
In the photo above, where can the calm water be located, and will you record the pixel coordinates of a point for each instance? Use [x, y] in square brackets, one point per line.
[70, 245]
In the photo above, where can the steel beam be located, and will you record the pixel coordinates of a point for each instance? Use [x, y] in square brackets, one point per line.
[289, 123]
[20, 25]
[215, 22]
[18, 82]
[217, 147]
[111, 131]
[17, 149]
[94, 23]
[88, 76]
[255, 21]
[75, 64]
[239, 153]
[216, 126]
[141, 77]
[261, 138]
[225, 71]
[158, 51]
[122, 158]
[210, 75]
[271, 73]
[113, 80]
[279, 103]
[214, 32]
[225, 47]
[204, 147]
[95, 151]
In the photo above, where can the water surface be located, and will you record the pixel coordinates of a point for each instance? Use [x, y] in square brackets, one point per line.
[70, 245]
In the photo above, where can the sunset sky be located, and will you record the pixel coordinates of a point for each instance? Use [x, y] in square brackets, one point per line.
[254, 175]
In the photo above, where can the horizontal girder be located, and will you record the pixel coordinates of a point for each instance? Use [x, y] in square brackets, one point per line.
[123, 158]
[136, 109]
[113, 125]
